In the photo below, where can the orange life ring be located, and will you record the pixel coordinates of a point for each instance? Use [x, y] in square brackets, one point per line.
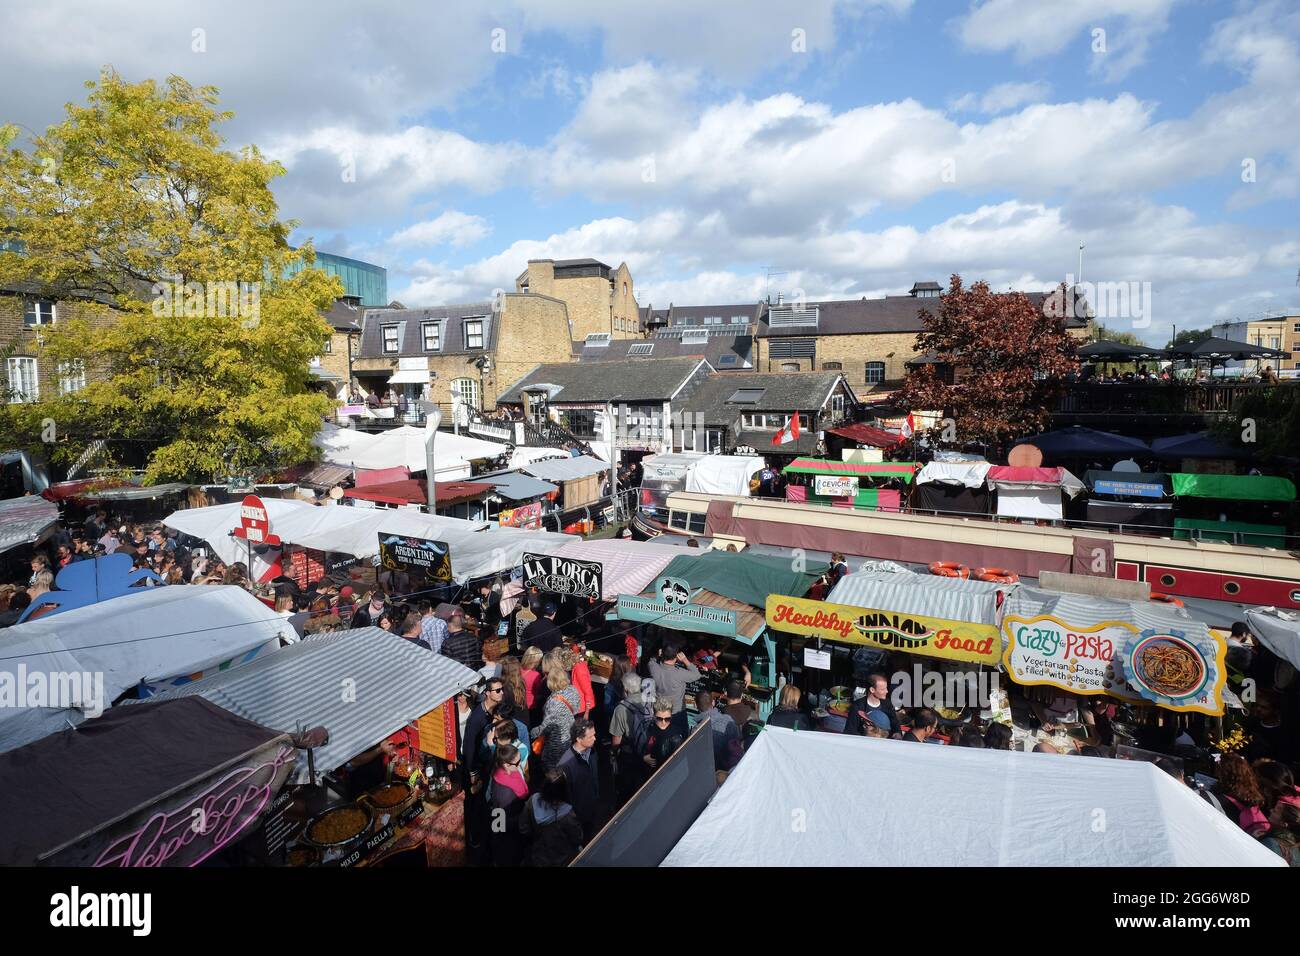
[995, 575]
[949, 569]
[1163, 598]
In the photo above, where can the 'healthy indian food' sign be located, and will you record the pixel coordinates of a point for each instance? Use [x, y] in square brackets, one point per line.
[552, 574]
[914, 633]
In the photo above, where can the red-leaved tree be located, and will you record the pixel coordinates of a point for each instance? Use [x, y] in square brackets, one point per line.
[1009, 354]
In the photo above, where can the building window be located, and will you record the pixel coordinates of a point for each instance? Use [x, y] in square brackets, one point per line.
[72, 376]
[474, 334]
[688, 439]
[713, 440]
[697, 523]
[875, 373]
[24, 385]
[38, 312]
[329, 345]
[464, 393]
[739, 319]
[581, 421]
[432, 336]
[1296, 328]
[837, 404]
[390, 338]
[789, 366]
[771, 421]
[713, 320]
[624, 288]
[832, 366]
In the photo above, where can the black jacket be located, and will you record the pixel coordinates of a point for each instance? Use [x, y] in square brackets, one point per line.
[793, 719]
[464, 647]
[543, 634]
[854, 724]
[476, 728]
[584, 784]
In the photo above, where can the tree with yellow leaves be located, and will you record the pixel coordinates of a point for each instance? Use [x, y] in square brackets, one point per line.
[198, 348]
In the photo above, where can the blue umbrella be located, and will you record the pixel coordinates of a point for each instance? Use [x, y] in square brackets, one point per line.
[1080, 441]
[1195, 445]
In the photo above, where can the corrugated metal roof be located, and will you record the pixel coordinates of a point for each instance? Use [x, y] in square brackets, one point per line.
[395, 682]
[566, 469]
[24, 520]
[974, 602]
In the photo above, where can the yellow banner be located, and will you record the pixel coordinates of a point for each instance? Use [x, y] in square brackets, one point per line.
[913, 633]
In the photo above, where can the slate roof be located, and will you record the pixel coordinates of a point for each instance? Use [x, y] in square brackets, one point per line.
[411, 341]
[782, 392]
[740, 347]
[344, 317]
[892, 313]
[626, 381]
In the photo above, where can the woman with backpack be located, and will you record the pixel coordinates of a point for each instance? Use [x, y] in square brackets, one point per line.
[549, 824]
[1239, 794]
[629, 731]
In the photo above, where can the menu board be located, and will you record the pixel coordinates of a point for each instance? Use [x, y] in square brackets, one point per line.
[438, 732]
[424, 561]
[304, 568]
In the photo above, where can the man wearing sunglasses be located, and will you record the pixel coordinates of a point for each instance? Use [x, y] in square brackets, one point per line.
[476, 768]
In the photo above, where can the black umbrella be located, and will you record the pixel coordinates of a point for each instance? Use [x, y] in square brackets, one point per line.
[1119, 352]
[1220, 350]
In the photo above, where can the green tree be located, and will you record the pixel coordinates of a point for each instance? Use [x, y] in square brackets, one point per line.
[1264, 421]
[1009, 357]
[1189, 337]
[1102, 334]
[196, 347]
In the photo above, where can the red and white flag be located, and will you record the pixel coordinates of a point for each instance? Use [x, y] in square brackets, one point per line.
[789, 433]
[909, 426]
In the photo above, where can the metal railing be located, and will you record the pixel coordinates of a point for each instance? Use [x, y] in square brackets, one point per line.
[1158, 398]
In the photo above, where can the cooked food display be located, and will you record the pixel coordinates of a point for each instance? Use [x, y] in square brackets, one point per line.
[1169, 668]
[339, 826]
[390, 795]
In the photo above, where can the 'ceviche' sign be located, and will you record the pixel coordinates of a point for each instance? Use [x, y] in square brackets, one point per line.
[553, 574]
[914, 633]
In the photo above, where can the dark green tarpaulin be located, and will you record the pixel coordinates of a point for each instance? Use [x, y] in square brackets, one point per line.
[748, 578]
[1233, 487]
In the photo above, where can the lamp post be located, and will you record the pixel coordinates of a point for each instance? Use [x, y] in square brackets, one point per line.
[432, 419]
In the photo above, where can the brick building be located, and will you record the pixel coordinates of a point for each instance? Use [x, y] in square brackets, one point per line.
[600, 299]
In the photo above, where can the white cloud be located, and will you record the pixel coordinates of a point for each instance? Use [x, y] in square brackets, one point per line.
[1034, 29]
[450, 228]
[1003, 97]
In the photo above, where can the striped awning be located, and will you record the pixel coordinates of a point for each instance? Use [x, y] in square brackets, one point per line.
[24, 520]
[305, 685]
[953, 599]
[825, 466]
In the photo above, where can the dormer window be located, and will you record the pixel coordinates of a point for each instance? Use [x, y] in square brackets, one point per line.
[432, 336]
[473, 333]
[391, 340]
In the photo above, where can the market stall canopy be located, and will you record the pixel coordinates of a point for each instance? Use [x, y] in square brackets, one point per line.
[1130, 484]
[741, 576]
[475, 552]
[1002, 809]
[134, 492]
[905, 592]
[396, 682]
[106, 770]
[522, 456]
[69, 490]
[823, 466]
[1077, 440]
[627, 567]
[517, 486]
[1233, 487]
[865, 434]
[1279, 631]
[671, 466]
[1119, 352]
[1219, 350]
[566, 469]
[723, 474]
[381, 476]
[25, 520]
[404, 446]
[1195, 445]
[970, 474]
[414, 491]
[1009, 477]
[150, 635]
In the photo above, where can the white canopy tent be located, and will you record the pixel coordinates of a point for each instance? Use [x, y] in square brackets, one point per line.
[905, 592]
[477, 547]
[724, 474]
[968, 474]
[396, 682]
[811, 799]
[151, 634]
[404, 446]
[1279, 631]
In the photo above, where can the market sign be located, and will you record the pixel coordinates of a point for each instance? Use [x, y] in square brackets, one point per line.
[192, 824]
[1131, 489]
[525, 516]
[699, 618]
[913, 633]
[438, 731]
[421, 558]
[834, 486]
[1175, 670]
[553, 574]
[1047, 650]
[254, 523]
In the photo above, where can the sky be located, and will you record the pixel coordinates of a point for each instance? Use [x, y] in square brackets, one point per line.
[730, 150]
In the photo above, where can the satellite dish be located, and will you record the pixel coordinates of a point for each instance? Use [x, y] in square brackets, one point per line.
[1128, 464]
[336, 492]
